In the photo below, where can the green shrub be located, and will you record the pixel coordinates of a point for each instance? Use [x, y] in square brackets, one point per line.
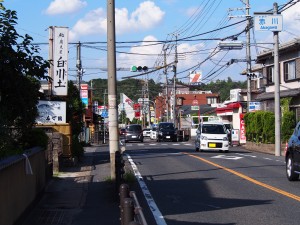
[287, 125]
[35, 137]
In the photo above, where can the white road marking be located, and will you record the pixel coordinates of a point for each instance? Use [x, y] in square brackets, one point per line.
[227, 157]
[151, 203]
[253, 156]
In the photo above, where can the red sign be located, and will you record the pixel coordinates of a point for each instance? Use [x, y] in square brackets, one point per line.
[137, 114]
[242, 130]
[136, 107]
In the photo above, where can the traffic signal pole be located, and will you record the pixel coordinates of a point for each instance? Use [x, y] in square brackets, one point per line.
[112, 87]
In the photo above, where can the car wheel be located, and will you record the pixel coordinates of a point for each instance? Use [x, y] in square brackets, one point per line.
[290, 169]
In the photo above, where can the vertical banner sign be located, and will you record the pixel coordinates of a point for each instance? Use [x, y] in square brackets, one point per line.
[60, 61]
[242, 130]
[84, 94]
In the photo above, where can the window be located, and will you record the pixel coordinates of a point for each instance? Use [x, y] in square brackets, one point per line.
[270, 75]
[211, 100]
[289, 70]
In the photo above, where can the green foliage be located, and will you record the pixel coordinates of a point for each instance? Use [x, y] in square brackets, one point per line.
[260, 126]
[287, 125]
[21, 68]
[35, 137]
[77, 147]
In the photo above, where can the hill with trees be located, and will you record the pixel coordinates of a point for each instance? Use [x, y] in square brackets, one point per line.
[133, 88]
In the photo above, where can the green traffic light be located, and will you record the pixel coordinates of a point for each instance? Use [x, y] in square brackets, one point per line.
[133, 68]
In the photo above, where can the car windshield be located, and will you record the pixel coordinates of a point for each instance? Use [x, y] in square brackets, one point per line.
[169, 126]
[213, 129]
[134, 128]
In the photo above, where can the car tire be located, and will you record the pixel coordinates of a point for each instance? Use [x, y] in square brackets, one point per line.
[290, 169]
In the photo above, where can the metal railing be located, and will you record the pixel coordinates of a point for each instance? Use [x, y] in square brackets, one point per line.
[131, 211]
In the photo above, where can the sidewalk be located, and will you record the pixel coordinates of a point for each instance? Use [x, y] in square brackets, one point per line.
[79, 195]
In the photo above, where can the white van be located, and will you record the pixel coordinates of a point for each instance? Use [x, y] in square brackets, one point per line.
[212, 136]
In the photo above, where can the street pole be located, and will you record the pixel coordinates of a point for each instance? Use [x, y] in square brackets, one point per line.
[277, 88]
[167, 91]
[112, 87]
[248, 54]
[175, 74]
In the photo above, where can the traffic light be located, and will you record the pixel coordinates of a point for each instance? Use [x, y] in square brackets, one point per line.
[139, 68]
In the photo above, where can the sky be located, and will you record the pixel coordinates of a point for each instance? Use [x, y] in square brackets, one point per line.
[147, 29]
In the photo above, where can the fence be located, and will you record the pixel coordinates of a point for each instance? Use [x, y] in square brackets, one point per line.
[130, 209]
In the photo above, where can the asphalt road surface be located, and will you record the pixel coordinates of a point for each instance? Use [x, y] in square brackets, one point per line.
[182, 187]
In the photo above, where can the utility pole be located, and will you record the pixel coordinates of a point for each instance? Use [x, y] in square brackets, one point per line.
[79, 65]
[277, 89]
[174, 88]
[112, 87]
[248, 54]
[167, 91]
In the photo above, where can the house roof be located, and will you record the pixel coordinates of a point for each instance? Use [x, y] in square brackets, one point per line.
[283, 94]
[292, 45]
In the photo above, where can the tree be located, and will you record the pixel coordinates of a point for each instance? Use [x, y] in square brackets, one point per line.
[21, 68]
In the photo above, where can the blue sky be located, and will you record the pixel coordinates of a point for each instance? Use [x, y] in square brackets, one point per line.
[154, 21]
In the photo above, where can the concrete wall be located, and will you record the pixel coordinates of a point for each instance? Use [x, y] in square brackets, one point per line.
[19, 189]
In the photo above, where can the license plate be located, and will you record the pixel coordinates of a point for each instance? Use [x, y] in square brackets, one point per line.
[212, 145]
[168, 137]
[133, 136]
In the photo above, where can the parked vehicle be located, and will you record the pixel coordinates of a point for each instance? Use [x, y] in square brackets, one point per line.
[153, 133]
[166, 131]
[134, 132]
[212, 136]
[292, 155]
[228, 126]
[122, 131]
[147, 132]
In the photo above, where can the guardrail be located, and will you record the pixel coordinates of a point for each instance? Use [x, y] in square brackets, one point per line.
[131, 211]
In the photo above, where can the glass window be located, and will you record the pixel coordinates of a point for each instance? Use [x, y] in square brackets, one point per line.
[289, 70]
[211, 100]
[270, 75]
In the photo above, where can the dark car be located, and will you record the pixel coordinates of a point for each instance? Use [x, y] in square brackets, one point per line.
[292, 155]
[122, 131]
[134, 132]
[166, 131]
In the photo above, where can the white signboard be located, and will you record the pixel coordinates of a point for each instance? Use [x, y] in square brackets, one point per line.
[268, 22]
[51, 112]
[60, 61]
[196, 77]
[254, 106]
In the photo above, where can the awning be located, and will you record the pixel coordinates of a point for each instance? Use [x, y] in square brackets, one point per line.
[229, 108]
[283, 94]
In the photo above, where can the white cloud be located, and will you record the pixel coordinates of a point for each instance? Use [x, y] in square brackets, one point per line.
[65, 6]
[291, 23]
[146, 16]
[149, 51]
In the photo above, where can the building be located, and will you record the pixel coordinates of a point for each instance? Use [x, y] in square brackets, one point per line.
[289, 72]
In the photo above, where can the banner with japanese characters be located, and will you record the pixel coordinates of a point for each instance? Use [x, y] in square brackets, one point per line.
[60, 61]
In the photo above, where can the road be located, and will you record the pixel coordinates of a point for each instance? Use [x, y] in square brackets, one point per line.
[185, 187]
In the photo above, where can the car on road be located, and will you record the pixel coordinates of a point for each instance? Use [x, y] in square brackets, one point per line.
[166, 131]
[211, 136]
[147, 132]
[134, 132]
[153, 133]
[292, 155]
[122, 131]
